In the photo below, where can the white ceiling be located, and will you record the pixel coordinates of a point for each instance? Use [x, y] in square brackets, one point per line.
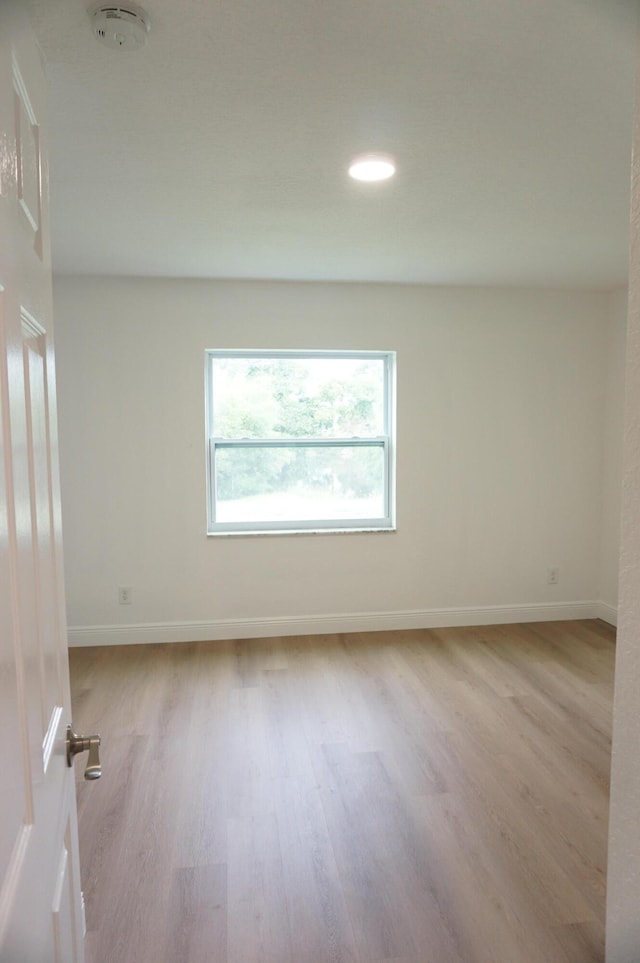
[220, 149]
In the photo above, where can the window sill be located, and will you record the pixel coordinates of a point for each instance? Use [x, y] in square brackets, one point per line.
[303, 531]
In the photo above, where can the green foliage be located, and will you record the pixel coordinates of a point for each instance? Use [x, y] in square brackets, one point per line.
[297, 398]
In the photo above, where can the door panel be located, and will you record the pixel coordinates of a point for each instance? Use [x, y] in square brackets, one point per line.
[37, 416]
[14, 803]
[41, 917]
[28, 165]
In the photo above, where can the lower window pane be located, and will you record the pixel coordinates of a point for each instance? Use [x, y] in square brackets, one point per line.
[292, 484]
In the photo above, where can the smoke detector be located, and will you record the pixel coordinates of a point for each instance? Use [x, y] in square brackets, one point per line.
[121, 27]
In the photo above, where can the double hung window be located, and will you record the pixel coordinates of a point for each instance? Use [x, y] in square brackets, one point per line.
[299, 440]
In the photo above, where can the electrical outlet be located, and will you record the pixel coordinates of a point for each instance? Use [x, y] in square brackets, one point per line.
[553, 576]
[124, 594]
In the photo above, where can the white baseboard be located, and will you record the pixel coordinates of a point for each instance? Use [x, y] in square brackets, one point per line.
[608, 613]
[326, 624]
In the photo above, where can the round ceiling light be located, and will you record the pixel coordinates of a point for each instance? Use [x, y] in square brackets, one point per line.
[372, 167]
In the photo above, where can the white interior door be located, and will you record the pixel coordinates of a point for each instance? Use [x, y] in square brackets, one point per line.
[41, 916]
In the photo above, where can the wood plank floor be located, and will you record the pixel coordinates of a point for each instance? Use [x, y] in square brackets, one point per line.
[415, 797]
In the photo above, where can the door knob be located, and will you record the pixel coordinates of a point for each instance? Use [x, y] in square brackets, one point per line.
[76, 743]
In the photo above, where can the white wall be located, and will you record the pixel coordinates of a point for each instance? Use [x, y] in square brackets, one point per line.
[613, 414]
[623, 868]
[500, 441]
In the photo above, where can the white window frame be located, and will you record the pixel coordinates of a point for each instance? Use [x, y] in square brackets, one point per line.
[386, 441]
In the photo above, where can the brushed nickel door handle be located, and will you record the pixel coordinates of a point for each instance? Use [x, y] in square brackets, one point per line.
[76, 743]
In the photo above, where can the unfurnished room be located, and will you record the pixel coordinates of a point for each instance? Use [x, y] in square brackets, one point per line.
[320, 482]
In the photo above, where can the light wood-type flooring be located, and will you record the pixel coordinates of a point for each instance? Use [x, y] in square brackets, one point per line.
[432, 796]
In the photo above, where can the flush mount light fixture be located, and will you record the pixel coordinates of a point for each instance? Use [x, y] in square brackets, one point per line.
[372, 167]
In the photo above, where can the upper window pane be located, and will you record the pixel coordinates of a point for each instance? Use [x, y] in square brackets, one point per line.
[293, 397]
